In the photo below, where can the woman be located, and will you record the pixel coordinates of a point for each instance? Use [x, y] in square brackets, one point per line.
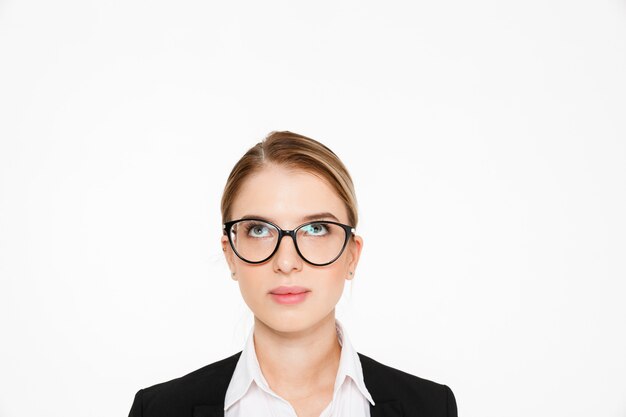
[289, 216]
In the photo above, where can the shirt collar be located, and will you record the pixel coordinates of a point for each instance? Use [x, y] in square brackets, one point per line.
[248, 370]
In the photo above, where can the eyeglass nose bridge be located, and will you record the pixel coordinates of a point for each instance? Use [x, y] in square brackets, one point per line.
[282, 233]
[292, 233]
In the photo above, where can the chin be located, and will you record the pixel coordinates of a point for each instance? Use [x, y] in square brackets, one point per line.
[289, 322]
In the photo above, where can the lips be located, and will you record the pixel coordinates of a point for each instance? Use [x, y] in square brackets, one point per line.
[289, 296]
[289, 290]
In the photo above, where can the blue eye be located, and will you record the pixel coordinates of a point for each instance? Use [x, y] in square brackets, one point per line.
[257, 230]
[315, 229]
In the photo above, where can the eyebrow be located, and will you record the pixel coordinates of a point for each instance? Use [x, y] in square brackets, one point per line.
[310, 217]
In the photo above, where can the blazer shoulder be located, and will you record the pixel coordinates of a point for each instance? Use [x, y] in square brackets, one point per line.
[217, 371]
[385, 382]
[206, 385]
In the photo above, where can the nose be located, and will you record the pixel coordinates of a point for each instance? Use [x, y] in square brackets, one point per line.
[286, 258]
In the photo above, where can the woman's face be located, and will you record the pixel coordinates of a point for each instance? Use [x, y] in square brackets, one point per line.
[286, 197]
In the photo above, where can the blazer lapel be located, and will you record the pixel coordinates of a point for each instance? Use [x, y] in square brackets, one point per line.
[213, 404]
[387, 402]
[386, 408]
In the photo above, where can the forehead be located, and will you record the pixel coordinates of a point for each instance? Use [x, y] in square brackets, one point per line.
[286, 196]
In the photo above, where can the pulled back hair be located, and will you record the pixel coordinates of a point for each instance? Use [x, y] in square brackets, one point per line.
[292, 151]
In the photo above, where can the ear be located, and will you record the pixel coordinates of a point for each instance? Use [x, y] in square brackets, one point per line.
[229, 255]
[355, 245]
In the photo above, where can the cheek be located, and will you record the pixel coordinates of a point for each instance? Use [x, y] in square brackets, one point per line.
[250, 281]
[333, 277]
[250, 289]
[329, 286]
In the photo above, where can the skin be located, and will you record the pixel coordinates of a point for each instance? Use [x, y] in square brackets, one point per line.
[296, 345]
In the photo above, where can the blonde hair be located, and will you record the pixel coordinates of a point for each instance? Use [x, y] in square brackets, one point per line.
[293, 151]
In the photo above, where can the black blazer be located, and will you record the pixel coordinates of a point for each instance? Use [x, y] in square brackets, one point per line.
[201, 393]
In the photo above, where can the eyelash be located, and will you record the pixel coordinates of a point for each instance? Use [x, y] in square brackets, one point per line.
[324, 225]
[253, 225]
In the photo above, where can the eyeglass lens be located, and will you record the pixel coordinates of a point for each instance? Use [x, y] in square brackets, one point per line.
[318, 242]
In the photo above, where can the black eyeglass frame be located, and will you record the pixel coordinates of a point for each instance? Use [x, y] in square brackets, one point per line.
[350, 231]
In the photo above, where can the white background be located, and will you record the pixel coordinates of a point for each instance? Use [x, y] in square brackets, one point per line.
[487, 141]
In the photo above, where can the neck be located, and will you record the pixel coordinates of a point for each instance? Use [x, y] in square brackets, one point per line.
[298, 364]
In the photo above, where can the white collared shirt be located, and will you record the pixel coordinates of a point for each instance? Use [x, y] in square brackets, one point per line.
[249, 394]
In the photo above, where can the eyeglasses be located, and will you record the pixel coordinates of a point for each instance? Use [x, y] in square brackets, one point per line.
[319, 242]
